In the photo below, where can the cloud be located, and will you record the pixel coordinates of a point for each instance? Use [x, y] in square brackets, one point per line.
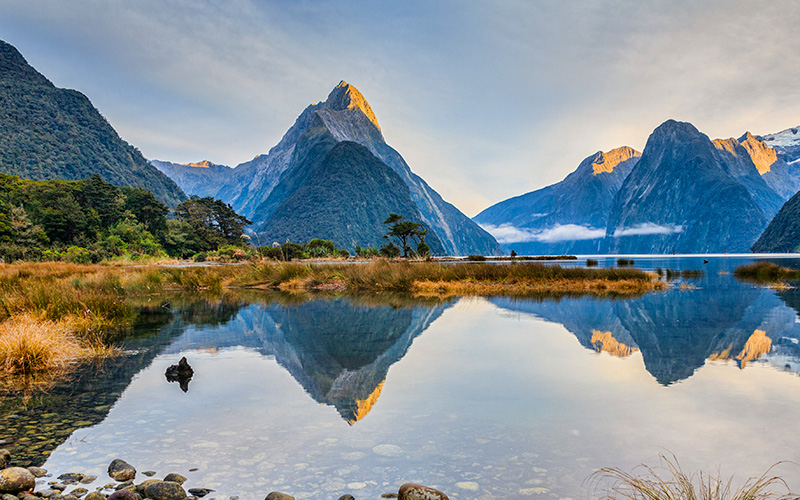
[507, 233]
[648, 228]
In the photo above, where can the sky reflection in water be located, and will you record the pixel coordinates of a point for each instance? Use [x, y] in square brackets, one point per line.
[480, 398]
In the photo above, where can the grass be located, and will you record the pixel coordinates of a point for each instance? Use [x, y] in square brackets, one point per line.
[55, 314]
[765, 272]
[670, 482]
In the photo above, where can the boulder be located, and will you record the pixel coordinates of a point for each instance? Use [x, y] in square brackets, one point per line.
[16, 479]
[175, 478]
[123, 495]
[141, 487]
[165, 490]
[411, 491]
[277, 495]
[120, 470]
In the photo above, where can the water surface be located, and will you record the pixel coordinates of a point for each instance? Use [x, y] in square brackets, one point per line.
[482, 398]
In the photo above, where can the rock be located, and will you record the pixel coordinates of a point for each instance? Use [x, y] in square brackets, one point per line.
[95, 495]
[57, 486]
[79, 492]
[16, 479]
[175, 478]
[411, 491]
[120, 470]
[165, 490]
[71, 477]
[49, 492]
[277, 495]
[9, 496]
[68, 496]
[5, 458]
[200, 492]
[141, 487]
[27, 496]
[37, 471]
[347, 497]
[87, 479]
[124, 495]
[127, 485]
[149, 473]
[181, 373]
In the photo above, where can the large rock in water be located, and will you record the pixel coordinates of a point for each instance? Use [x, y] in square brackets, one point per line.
[165, 490]
[16, 479]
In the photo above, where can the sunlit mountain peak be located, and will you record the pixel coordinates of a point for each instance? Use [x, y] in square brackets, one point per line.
[605, 342]
[604, 163]
[364, 406]
[345, 96]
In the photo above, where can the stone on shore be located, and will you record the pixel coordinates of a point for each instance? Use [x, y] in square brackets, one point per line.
[71, 477]
[5, 458]
[165, 490]
[16, 479]
[141, 487]
[277, 495]
[123, 495]
[200, 492]
[175, 478]
[411, 491]
[347, 497]
[86, 480]
[95, 495]
[120, 470]
[37, 471]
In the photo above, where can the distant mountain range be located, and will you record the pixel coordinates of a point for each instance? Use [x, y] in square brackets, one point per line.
[52, 133]
[685, 193]
[333, 176]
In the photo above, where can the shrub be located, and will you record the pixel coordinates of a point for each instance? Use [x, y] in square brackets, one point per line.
[476, 258]
[591, 262]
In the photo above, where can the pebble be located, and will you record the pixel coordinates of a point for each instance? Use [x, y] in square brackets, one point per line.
[199, 492]
[88, 480]
[387, 450]
[5, 458]
[71, 477]
[79, 492]
[37, 471]
[412, 491]
[149, 473]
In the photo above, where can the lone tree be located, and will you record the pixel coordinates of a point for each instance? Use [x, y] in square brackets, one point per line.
[210, 223]
[406, 232]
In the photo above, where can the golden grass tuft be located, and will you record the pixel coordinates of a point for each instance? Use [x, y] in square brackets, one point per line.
[670, 482]
[29, 344]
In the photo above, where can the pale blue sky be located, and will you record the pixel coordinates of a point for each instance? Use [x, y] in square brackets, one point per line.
[484, 99]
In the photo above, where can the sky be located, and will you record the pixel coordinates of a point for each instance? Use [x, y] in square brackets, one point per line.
[484, 99]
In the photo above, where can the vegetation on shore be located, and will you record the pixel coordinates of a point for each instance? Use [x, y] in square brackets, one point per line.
[765, 272]
[670, 482]
[54, 313]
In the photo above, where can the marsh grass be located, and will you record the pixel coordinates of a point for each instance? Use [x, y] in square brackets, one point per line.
[669, 482]
[765, 272]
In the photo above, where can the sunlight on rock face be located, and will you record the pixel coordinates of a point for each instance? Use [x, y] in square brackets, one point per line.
[605, 342]
[363, 406]
[605, 162]
[757, 345]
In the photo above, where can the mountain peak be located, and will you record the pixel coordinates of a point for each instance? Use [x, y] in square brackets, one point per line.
[762, 155]
[345, 96]
[605, 162]
[202, 164]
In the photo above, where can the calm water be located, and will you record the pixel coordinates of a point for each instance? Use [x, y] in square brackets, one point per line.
[481, 398]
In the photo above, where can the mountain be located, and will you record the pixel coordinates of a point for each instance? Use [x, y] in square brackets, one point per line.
[52, 133]
[783, 232]
[786, 143]
[342, 194]
[566, 217]
[345, 116]
[201, 179]
[683, 196]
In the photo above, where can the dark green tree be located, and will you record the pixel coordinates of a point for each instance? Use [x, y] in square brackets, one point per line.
[147, 210]
[405, 233]
[210, 223]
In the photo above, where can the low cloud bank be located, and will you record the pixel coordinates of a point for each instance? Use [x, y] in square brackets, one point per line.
[648, 228]
[507, 233]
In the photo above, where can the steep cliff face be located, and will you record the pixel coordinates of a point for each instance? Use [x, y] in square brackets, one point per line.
[682, 198]
[52, 133]
[567, 217]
